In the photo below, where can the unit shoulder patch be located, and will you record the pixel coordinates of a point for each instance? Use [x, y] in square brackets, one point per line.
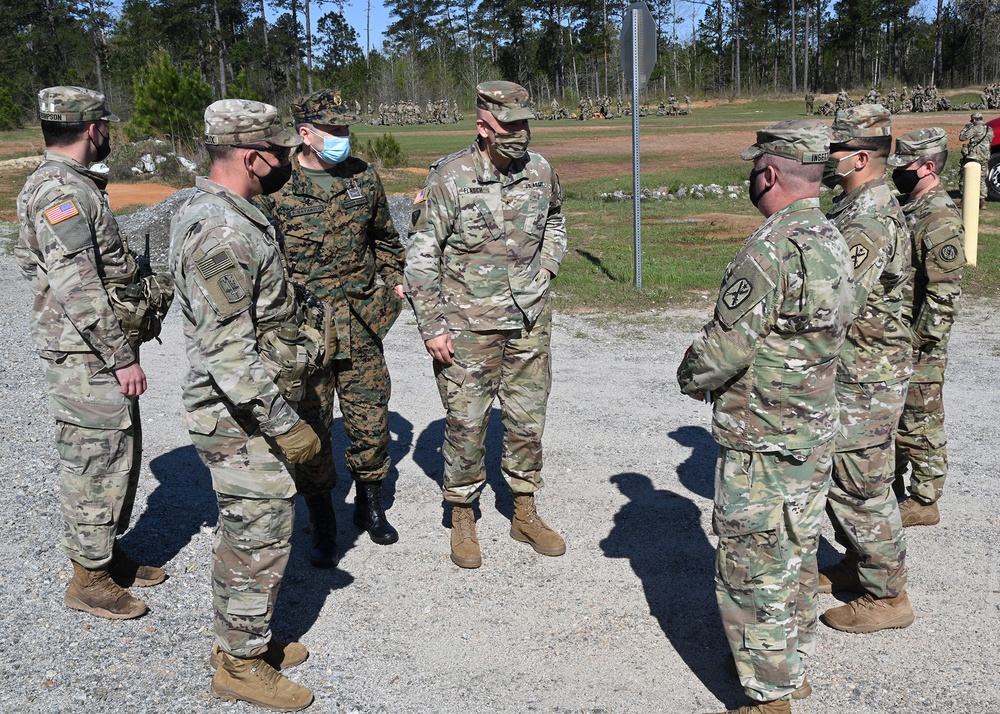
[745, 288]
[863, 252]
[223, 282]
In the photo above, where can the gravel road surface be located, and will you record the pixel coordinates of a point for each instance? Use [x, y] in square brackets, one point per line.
[625, 622]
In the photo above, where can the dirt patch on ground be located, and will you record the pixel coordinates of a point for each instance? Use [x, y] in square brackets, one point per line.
[131, 194]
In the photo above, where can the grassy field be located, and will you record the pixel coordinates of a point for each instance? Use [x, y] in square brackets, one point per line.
[686, 242]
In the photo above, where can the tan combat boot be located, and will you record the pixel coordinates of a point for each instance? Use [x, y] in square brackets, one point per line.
[254, 680]
[871, 614]
[915, 513]
[779, 706]
[528, 527]
[280, 655]
[465, 551]
[841, 576]
[801, 692]
[95, 592]
[128, 573]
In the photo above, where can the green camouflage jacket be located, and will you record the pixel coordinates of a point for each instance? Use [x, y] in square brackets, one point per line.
[341, 245]
[878, 344]
[979, 139]
[68, 245]
[769, 354]
[481, 242]
[931, 301]
[230, 281]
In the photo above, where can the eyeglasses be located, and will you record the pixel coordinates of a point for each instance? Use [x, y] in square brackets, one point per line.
[281, 152]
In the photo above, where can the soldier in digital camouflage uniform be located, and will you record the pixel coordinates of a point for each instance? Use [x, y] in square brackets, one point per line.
[875, 367]
[242, 329]
[978, 138]
[768, 358]
[72, 253]
[487, 236]
[341, 245]
[930, 307]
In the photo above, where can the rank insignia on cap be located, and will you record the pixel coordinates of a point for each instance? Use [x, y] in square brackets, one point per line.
[420, 196]
[64, 210]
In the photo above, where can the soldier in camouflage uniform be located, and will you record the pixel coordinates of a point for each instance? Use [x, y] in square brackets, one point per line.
[72, 253]
[930, 308]
[341, 245]
[768, 359]
[978, 138]
[242, 329]
[810, 103]
[875, 366]
[487, 236]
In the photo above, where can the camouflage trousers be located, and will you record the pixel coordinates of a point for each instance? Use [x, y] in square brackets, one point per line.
[862, 505]
[768, 512]
[921, 442]
[99, 442]
[983, 171]
[363, 386]
[514, 366]
[255, 492]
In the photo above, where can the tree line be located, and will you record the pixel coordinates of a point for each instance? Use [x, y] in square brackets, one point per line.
[140, 52]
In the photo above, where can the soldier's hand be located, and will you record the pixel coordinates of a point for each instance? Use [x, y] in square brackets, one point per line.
[132, 380]
[299, 443]
[399, 291]
[440, 348]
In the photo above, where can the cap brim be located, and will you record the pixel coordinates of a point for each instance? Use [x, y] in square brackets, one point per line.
[751, 152]
[509, 115]
[897, 160]
[286, 138]
[111, 117]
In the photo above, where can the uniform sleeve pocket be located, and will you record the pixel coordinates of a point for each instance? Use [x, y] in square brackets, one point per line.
[201, 422]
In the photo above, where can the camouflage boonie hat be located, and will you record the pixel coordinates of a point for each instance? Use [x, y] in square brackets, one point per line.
[922, 142]
[804, 140]
[862, 120]
[506, 101]
[323, 107]
[241, 121]
[73, 104]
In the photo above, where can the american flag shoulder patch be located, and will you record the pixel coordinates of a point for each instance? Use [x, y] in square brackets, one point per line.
[420, 196]
[62, 211]
[215, 263]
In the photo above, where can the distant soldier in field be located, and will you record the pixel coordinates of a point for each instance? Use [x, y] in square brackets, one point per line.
[487, 235]
[843, 100]
[904, 100]
[687, 101]
[87, 331]
[872, 376]
[341, 245]
[810, 100]
[893, 100]
[978, 138]
[931, 308]
[768, 361]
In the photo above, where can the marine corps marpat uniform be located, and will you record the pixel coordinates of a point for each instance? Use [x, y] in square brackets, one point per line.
[341, 245]
[769, 359]
[482, 245]
[978, 138]
[79, 266]
[242, 329]
[930, 309]
[875, 366]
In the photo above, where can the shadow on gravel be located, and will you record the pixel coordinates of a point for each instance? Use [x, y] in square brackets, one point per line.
[176, 510]
[427, 455]
[661, 535]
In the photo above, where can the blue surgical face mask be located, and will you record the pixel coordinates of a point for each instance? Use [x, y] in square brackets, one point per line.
[335, 148]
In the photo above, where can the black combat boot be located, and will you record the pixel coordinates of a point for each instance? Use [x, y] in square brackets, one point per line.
[323, 530]
[369, 514]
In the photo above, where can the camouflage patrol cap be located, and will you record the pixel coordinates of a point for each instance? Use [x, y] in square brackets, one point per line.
[862, 120]
[241, 121]
[915, 144]
[506, 101]
[73, 104]
[804, 140]
[323, 107]
[977, 115]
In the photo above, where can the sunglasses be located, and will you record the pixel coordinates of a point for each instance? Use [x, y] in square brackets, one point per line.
[281, 152]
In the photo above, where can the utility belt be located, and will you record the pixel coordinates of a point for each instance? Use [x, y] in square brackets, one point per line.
[293, 350]
[140, 303]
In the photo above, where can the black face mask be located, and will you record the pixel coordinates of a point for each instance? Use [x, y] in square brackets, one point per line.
[906, 180]
[104, 148]
[276, 178]
[754, 195]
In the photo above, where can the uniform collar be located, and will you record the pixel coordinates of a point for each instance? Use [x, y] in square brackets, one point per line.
[486, 172]
[203, 183]
[99, 180]
[844, 200]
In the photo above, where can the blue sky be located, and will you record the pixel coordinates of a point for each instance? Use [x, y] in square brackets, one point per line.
[354, 13]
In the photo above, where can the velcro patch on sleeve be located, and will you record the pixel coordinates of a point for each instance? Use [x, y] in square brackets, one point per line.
[61, 212]
[747, 286]
[223, 282]
[950, 255]
[863, 253]
[421, 195]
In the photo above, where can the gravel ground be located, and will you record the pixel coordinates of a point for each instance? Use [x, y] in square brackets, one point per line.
[625, 622]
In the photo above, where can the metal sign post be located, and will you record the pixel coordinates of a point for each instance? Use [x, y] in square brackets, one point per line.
[638, 60]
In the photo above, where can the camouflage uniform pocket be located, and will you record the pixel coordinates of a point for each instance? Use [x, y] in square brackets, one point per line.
[770, 638]
[82, 391]
[247, 604]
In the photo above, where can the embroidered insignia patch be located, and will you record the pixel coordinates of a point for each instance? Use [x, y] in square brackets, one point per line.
[353, 190]
[949, 253]
[421, 195]
[214, 264]
[737, 293]
[231, 288]
[858, 255]
[57, 214]
[747, 286]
